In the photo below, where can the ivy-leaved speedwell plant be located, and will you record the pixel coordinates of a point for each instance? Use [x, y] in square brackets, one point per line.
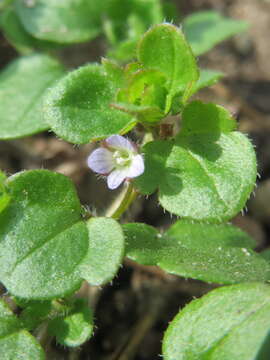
[187, 151]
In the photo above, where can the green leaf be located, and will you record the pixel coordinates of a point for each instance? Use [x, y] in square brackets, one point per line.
[191, 234]
[228, 323]
[145, 87]
[8, 321]
[42, 237]
[207, 78]
[123, 51]
[266, 254]
[23, 303]
[143, 113]
[105, 253]
[18, 37]
[205, 29]
[22, 87]
[165, 49]
[205, 175]
[115, 15]
[114, 71]
[149, 12]
[78, 107]
[16, 343]
[75, 328]
[126, 21]
[131, 68]
[200, 118]
[34, 313]
[4, 196]
[144, 95]
[62, 21]
[212, 253]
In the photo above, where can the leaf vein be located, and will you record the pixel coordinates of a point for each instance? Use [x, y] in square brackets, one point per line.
[210, 177]
[39, 246]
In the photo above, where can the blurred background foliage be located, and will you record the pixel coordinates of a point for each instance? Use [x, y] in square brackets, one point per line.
[133, 312]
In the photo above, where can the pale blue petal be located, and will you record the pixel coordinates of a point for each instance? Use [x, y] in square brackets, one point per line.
[101, 161]
[136, 167]
[119, 142]
[115, 178]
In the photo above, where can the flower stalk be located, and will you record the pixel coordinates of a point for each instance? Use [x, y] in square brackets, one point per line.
[122, 202]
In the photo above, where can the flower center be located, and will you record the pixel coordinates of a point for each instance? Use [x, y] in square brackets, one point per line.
[122, 158]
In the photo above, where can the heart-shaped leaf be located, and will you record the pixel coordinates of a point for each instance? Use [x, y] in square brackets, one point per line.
[78, 107]
[22, 86]
[42, 237]
[228, 323]
[213, 253]
[15, 342]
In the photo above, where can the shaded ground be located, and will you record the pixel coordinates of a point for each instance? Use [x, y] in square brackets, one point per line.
[133, 312]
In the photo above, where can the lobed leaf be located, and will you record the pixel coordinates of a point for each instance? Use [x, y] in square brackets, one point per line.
[207, 173]
[62, 21]
[205, 29]
[42, 237]
[217, 326]
[105, 252]
[78, 107]
[75, 328]
[213, 253]
[22, 87]
[15, 342]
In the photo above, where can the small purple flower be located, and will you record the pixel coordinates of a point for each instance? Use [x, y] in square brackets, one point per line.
[118, 158]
